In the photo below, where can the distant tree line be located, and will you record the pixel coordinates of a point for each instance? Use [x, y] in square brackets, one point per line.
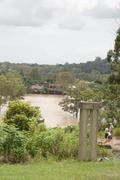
[40, 74]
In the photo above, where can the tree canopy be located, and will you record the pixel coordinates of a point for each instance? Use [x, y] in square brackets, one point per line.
[40, 74]
[22, 115]
[11, 86]
[114, 79]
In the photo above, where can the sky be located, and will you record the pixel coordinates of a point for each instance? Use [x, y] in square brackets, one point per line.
[57, 31]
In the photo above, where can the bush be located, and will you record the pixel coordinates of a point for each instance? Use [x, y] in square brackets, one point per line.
[69, 146]
[54, 142]
[22, 115]
[12, 144]
[17, 146]
[49, 141]
[102, 152]
[32, 146]
[117, 132]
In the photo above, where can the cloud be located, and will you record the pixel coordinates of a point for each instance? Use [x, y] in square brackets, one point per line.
[25, 12]
[69, 14]
[65, 14]
[105, 10]
[72, 23]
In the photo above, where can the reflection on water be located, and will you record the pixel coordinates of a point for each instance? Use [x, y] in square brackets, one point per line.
[52, 113]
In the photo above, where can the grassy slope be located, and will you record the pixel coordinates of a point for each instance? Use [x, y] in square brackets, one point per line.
[64, 170]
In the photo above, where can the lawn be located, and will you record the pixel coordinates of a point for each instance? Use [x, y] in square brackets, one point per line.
[62, 170]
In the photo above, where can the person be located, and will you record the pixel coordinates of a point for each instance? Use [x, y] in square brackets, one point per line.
[109, 137]
[106, 132]
[110, 128]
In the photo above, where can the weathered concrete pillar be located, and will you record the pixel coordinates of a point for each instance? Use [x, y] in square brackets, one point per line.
[86, 107]
[93, 134]
[83, 134]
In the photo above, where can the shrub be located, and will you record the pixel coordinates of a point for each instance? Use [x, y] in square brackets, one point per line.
[22, 115]
[117, 132]
[12, 144]
[32, 146]
[69, 146]
[56, 142]
[49, 141]
[102, 152]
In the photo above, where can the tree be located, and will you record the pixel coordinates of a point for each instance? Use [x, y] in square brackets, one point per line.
[113, 57]
[22, 115]
[64, 78]
[11, 86]
[81, 91]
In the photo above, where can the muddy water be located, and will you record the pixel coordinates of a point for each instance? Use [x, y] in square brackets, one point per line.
[52, 113]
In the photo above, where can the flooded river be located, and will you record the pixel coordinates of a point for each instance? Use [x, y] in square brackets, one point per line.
[52, 113]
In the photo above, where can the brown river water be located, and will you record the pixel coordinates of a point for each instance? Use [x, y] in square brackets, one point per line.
[52, 113]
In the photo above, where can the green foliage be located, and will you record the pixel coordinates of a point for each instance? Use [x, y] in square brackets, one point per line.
[32, 145]
[64, 78]
[55, 142]
[42, 74]
[114, 79]
[114, 55]
[81, 91]
[69, 145]
[117, 132]
[22, 115]
[11, 85]
[12, 144]
[49, 141]
[103, 152]
[17, 146]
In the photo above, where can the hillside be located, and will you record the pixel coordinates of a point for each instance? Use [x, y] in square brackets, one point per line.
[37, 74]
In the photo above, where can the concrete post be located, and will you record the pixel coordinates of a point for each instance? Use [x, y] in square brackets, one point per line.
[93, 134]
[86, 107]
[83, 134]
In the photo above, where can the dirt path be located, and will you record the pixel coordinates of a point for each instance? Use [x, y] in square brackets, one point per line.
[114, 143]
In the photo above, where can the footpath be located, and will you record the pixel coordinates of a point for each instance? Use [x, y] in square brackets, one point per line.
[114, 144]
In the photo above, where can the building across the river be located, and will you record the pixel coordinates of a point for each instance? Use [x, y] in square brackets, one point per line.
[47, 88]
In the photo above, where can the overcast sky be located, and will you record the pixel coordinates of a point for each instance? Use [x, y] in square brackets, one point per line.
[57, 31]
